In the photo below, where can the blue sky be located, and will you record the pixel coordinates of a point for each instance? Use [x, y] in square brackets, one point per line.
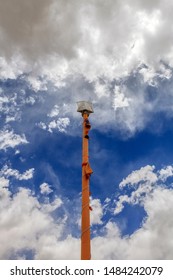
[53, 54]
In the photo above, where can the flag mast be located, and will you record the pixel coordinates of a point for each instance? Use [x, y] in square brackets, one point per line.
[85, 108]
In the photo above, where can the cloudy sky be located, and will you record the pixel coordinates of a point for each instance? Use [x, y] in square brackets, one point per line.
[118, 55]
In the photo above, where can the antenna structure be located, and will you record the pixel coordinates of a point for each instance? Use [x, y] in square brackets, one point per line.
[85, 108]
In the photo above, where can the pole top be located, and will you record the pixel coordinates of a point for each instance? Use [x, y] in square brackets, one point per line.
[85, 107]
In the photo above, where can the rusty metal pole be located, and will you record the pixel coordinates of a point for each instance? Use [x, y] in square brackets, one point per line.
[86, 172]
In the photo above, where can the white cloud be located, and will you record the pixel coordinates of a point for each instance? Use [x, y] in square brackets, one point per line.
[8, 139]
[8, 172]
[45, 188]
[23, 213]
[97, 212]
[90, 30]
[110, 246]
[35, 83]
[30, 100]
[95, 47]
[120, 203]
[142, 184]
[67, 249]
[4, 182]
[50, 207]
[59, 124]
[9, 119]
[166, 172]
[33, 228]
[152, 240]
[13, 68]
[101, 89]
[120, 101]
[54, 112]
[42, 125]
[144, 174]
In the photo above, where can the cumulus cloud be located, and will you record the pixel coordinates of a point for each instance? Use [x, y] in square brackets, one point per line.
[59, 124]
[47, 238]
[97, 212]
[54, 112]
[111, 245]
[166, 172]
[151, 241]
[50, 207]
[45, 188]
[141, 184]
[9, 172]
[32, 227]
[96, 47]
[120, 101]
[4, 182]
[144, 174]
[8, 139]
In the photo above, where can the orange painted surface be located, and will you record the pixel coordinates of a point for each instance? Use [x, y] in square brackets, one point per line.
[86, 172]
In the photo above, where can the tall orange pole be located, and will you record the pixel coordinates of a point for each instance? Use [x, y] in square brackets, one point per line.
[86, 172]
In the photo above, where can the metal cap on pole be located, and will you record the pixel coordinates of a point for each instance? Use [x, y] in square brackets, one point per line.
[85, 108]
